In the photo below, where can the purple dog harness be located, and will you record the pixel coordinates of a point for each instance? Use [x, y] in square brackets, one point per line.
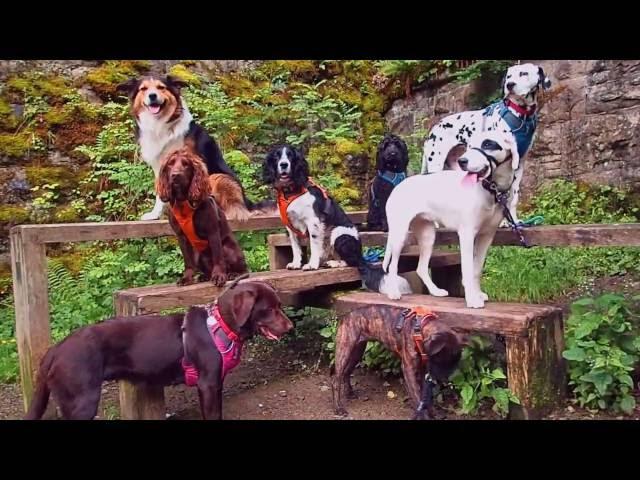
[226, 341]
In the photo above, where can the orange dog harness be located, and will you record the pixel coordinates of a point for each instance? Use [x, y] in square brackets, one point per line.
[420, 315]
[284, 202]
[183, 213]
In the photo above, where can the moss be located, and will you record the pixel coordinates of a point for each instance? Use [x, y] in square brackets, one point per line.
[66, 214]
[5, 279]
[13, 214]
[73, 261]
[105, 78]
[301, 70]
[8, 120]
[63, 176]
[181, 72]
[344, 147]
[53, 88]
[57, 116]
[17, 145]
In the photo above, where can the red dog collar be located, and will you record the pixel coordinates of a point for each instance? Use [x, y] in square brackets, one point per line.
[519, 109]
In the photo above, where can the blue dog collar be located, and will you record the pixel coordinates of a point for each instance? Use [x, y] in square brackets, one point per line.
[522, 128]
[394, 178]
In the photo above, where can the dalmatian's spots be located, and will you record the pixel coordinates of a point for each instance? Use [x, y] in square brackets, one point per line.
[447, 125]
[458, 117]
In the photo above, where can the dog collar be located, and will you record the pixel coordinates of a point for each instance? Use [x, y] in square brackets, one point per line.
[522, 111]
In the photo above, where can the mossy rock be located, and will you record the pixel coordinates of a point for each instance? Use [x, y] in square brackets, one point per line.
[66, 214]
[13, 214]
[345, 146]
[64, 177]
[301, 70]
[16, 145]
[105, 78]
[53, 88]
[8, 120]
[181, 72]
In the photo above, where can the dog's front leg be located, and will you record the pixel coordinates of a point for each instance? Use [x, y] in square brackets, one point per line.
[515, 192]
[316, 245]
[219, 268]
[482, 243]
[296, 263]
[188, 255]
[410, 370]
[210, 394]
[471, 293]
[156, 213]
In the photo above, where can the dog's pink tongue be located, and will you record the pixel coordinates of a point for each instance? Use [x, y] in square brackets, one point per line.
[469, 179]
[154, 108]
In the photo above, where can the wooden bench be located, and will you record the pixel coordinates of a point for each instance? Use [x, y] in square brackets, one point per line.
[295, 287]
[534, 342]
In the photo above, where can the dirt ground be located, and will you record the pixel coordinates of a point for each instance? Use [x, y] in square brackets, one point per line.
[289, 380]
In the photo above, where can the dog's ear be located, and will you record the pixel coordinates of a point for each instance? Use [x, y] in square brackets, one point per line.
[436, 343]
[300, 167]
[130, 87]
[162, 182]
[544, 80]
[242, 306]
[174, 82]
[269, 168]
[200, 188]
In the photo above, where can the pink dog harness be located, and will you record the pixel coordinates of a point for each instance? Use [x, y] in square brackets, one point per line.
[226, 341]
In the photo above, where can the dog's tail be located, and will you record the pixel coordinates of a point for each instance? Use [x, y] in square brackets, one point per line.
[41, 394]
[349, 248]
[263, 207]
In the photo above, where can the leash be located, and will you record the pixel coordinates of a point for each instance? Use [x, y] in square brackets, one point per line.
[501, 197]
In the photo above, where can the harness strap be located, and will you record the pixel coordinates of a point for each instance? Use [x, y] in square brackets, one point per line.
[183, 213]
[284, 202]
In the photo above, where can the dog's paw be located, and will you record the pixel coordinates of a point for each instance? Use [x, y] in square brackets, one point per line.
[474, 300]
[150, 216]
[310, 266]
[186, 279]
[439, 292]
[336, 263]
[484, 296]
[293, 266]
[219, 279]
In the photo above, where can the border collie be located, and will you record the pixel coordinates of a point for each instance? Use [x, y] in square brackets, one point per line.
[164, 124]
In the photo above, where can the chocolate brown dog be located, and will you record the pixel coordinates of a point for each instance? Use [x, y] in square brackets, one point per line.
[206, 240]
[150, 349]
[412, 337]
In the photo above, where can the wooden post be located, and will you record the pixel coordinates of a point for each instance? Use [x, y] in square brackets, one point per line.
[33, 335]
[536, 370]
[279, 257]
[138, 401]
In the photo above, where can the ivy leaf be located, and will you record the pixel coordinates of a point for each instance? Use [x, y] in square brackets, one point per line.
[575, 354]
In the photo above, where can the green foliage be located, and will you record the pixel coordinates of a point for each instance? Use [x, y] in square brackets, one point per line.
[479, 377]
[481, 68]
[603, 347]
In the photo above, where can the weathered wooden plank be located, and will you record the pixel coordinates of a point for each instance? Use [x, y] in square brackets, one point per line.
[159, 297]
[138, 401]
[510, 319]
[33, 335]
[536, 371]
[84, 232]
[600, 235]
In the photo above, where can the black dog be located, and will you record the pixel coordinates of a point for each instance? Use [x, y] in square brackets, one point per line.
[391, 165]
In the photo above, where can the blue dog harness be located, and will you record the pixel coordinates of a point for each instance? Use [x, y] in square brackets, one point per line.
[522, 128]
[394, 178]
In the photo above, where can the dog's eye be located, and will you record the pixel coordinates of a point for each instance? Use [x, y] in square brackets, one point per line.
[161, 87]
[490, 145]
[143, 89]
[524, 74]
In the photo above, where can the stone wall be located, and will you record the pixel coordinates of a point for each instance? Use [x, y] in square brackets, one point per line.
[589, 126]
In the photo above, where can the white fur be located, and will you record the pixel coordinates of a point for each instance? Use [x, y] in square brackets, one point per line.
[422, 200]
[304, 219]
[443, 138]
[157, 138]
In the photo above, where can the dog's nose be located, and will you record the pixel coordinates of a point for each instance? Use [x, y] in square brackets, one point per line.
[463, 162]
[283, 166]
[153, 96]
[510, 85]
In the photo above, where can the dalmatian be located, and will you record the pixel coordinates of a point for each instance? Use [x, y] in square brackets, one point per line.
[515, 114]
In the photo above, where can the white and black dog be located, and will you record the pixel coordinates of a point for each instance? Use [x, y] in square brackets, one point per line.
[515, 114]
[307, 211]
[164, 124]
[464, 200]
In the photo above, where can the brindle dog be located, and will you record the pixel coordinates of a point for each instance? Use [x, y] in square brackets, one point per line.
[442, 346]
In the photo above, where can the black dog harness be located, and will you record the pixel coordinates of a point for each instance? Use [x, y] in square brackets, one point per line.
[501, 197]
